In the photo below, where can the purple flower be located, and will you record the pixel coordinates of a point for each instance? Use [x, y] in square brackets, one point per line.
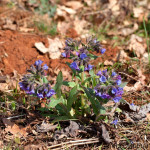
[90, 67]
[50, 93]
[114, 91]
[115, 122]
[74, 66]
[105, 96]
[77, 53]
[99, 94]
[45, 67]
[118, 82]
[103, 50]
[116, 99]
[38, 62]
[118, 77]
[102, 79]
[132, 104]
[99, 73]
[64, 54]
[113, 74]
[82, 56]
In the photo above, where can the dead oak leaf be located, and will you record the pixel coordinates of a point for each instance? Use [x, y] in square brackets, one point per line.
[137, 45]
[54, 48]
[45, 127]
[105, 135]
[74, 5]
[14, 129]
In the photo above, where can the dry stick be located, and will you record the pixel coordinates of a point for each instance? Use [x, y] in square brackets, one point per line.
[94, 13]
[75, 143]
[134, 79]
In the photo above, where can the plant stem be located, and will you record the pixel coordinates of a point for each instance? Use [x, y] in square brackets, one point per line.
[147, 40]
[82, 96]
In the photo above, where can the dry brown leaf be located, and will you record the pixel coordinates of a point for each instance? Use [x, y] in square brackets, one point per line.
[54, 48]
[107, 62]
[122, 56]
[74, 4]
[14, 129]
[137, 45]
[62, 27]
[148, 116]
[45, 127]
[137, 11]
[114, 7]
[79, 25]
[128, 31]
[66, 9]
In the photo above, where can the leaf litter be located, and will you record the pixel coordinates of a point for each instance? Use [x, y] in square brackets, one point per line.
[67, 12]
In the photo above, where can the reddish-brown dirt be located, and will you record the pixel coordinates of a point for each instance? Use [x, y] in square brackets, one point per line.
[17, 52]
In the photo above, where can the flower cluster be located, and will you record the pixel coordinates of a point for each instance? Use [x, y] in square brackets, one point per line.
[33, 83]
[81, 55]
[94, 44]
[108, 86]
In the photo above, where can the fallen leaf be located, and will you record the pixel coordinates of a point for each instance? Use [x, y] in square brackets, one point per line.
[45, 127]
[14, 129]
[128, 31]
[148, 116]
[66, 9]
[105, 135]
[137, 45]
[74, 4]
[137, 11]
[71, 130]
[54, 48]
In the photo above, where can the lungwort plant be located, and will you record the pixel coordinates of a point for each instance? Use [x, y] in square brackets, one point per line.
[88, 92]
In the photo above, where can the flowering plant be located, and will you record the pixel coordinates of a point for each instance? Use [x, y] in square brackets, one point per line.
[35, 83]
[88, 92]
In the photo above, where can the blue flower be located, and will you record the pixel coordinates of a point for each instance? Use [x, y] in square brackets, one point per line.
[105, 96]
[64, 54]
[103, 50]
[132, 104]
[90, 67]
[45, 67]
[116, 99]
[115, 122]
[102, 79]
[99, 94]
[118, 82]
[50, 93]
[82, 56]
[113, 74]
[114, 91]
[38, 62]
[99, 73]
[74, 66]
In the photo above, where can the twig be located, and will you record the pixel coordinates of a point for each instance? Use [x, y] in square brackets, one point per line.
[73, 143]
[15, 116]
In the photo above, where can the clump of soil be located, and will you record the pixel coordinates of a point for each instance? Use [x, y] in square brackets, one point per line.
[17, 52]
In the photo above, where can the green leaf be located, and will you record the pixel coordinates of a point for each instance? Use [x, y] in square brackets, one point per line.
[13, 105]
[54, 102]
[93, 101]
[72, 97]
[61, 118]
[92, 56]
[70, 84]
[118, 110]
[59, 82]
[86, 80]
[102, 110]
[123, 84]
[44, 80]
